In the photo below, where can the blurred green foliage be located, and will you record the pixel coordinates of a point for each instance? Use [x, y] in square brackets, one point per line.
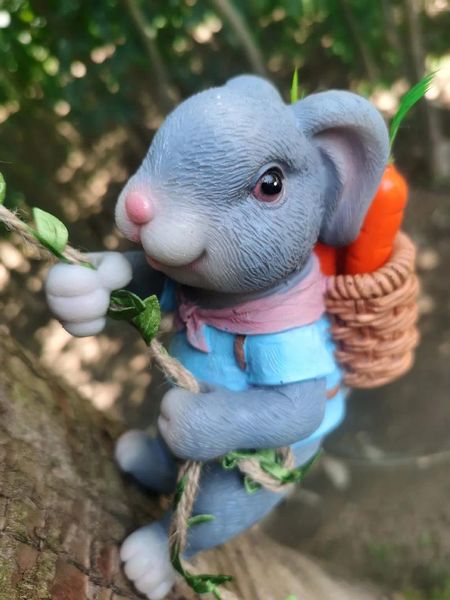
[89, 54]
[67, 55]
[99, 66]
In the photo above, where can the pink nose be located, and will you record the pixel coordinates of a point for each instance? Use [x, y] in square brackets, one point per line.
[139, 208]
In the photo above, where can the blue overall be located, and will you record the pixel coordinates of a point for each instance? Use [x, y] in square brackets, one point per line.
[289, 356]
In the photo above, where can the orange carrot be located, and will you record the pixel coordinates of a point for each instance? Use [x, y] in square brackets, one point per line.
[327, 256]
[373, 247]
[375, 243]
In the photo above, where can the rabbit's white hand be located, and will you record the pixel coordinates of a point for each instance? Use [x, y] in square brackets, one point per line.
[79, 296]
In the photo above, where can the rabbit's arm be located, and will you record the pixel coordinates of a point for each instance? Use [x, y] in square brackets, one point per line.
[206, 425]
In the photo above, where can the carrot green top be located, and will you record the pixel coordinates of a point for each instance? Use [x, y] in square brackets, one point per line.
[411, 97]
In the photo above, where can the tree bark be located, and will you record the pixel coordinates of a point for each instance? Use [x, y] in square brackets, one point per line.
[65, 508]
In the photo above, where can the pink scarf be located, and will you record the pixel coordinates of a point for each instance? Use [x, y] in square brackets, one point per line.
[301, 305]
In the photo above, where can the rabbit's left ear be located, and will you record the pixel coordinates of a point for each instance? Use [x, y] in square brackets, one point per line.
[353, 141]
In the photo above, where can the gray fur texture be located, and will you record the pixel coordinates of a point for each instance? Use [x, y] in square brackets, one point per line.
[204, 162]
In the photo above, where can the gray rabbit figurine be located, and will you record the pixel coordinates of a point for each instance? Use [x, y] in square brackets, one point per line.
[235, 191]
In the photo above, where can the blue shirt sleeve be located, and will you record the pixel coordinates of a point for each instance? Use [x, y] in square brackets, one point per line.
[289, 356]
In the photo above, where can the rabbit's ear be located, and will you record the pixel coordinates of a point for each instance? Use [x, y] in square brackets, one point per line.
[252, 85]
[353, 141]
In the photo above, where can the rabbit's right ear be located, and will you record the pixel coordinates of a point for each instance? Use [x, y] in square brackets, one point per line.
[352, 139]
[257, 87]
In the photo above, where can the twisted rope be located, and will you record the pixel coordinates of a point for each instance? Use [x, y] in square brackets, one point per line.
[13, 223]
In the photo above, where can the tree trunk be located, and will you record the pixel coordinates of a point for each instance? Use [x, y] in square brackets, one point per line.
[65, 508]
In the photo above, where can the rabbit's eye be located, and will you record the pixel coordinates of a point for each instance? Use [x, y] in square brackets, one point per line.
[269, 186]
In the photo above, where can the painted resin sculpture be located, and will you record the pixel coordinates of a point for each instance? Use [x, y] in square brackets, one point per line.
[232, 197]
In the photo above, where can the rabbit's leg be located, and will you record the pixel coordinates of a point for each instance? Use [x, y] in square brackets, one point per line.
[148, 459]
[222, 494]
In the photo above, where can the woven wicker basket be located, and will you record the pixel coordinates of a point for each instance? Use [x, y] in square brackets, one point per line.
[374, 318]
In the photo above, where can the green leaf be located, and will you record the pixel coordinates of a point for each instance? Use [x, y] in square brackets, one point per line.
[145, 315]
[251, 486]
[411, 97]
[125, 306]
[201, 584]
[294, 87]
[275, 470]
[206, 584]
[270, 461]
[148, 321]
[50, 231]
[216, 579]
[230, 460]
[179, 491]
[197, 519]
[2, 189]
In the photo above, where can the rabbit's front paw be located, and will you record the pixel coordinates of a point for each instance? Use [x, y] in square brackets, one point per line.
[79, 296]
